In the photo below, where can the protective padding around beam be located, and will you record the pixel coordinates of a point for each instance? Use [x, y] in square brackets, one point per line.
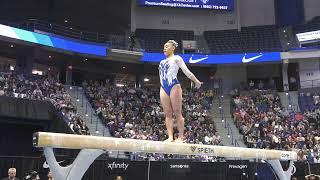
[70, 141]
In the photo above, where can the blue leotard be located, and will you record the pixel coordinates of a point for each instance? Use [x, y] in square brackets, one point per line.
[168, 70]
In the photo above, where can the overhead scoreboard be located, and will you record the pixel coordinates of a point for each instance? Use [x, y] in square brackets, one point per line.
[198, 4]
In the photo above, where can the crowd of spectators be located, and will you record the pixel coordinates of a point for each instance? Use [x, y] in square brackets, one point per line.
[136, 113]
[264, 123]
[43, 88]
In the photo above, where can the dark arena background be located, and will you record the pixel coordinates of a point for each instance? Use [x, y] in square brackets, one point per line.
[89, 72]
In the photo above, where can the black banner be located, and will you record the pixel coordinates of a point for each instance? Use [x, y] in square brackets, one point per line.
[157, 170]
[32, 110]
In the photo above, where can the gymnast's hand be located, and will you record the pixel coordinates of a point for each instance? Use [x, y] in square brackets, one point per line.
[198, 84]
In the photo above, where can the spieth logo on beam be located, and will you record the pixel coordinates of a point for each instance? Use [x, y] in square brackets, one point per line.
[202, 150]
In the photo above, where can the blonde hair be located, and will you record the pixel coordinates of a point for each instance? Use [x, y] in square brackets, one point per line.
[12, 170]
[174, 43]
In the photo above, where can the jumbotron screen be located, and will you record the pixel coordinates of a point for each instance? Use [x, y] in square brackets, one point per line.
[199, 4]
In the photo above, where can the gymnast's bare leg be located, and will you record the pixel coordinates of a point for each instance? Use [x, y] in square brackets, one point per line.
[167, 108]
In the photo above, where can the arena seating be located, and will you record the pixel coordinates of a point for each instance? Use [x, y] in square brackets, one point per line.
[249, 39]
[266, 124]
[152, 40]
[136, 113]
[44, 89]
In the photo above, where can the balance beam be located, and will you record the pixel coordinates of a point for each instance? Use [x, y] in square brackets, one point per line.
[71, 141]
[93, 146]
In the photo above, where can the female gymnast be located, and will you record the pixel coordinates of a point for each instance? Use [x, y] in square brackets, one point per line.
[170, 91]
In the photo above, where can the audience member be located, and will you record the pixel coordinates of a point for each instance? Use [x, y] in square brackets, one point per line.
[12, 172]
[50, 176]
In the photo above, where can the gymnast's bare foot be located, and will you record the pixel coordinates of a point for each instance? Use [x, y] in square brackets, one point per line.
[179, 140]
[169, 140]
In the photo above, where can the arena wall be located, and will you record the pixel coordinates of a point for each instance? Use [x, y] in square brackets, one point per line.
[257, 12]
[311, 9]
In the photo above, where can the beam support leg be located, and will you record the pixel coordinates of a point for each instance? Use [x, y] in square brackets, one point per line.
[282, 175]
[77, 169]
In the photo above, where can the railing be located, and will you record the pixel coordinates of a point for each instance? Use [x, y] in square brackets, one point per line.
[89, 112]
[227, 126]
[310, 84]
[291, 106]
[236, 144]
[71, 32]
[230, 134]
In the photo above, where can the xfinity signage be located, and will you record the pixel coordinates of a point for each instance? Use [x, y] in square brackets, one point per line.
[218, 59]
[199, 4]
[117, 165]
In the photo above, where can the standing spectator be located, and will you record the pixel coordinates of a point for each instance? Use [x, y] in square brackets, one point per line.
[118, 178]
[50, 177]
[12, 172]
[251, 85]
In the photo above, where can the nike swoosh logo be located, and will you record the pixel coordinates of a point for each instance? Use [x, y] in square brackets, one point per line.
[246, 60]
[193, 61]
[46, 165]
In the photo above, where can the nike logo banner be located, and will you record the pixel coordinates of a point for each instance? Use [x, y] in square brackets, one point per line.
[218, 59]
[247, 60]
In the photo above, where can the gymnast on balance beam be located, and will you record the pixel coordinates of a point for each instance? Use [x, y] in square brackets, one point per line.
[170, 91]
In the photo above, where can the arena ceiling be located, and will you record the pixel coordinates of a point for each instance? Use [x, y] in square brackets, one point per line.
[98, 15]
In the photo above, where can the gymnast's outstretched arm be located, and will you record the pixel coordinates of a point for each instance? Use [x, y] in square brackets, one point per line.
[187, 72]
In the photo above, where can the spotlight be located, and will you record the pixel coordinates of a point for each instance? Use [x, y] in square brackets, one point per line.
[146, 80]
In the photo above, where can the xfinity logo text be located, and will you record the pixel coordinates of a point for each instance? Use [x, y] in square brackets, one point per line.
[115, 165]
[240, 166]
